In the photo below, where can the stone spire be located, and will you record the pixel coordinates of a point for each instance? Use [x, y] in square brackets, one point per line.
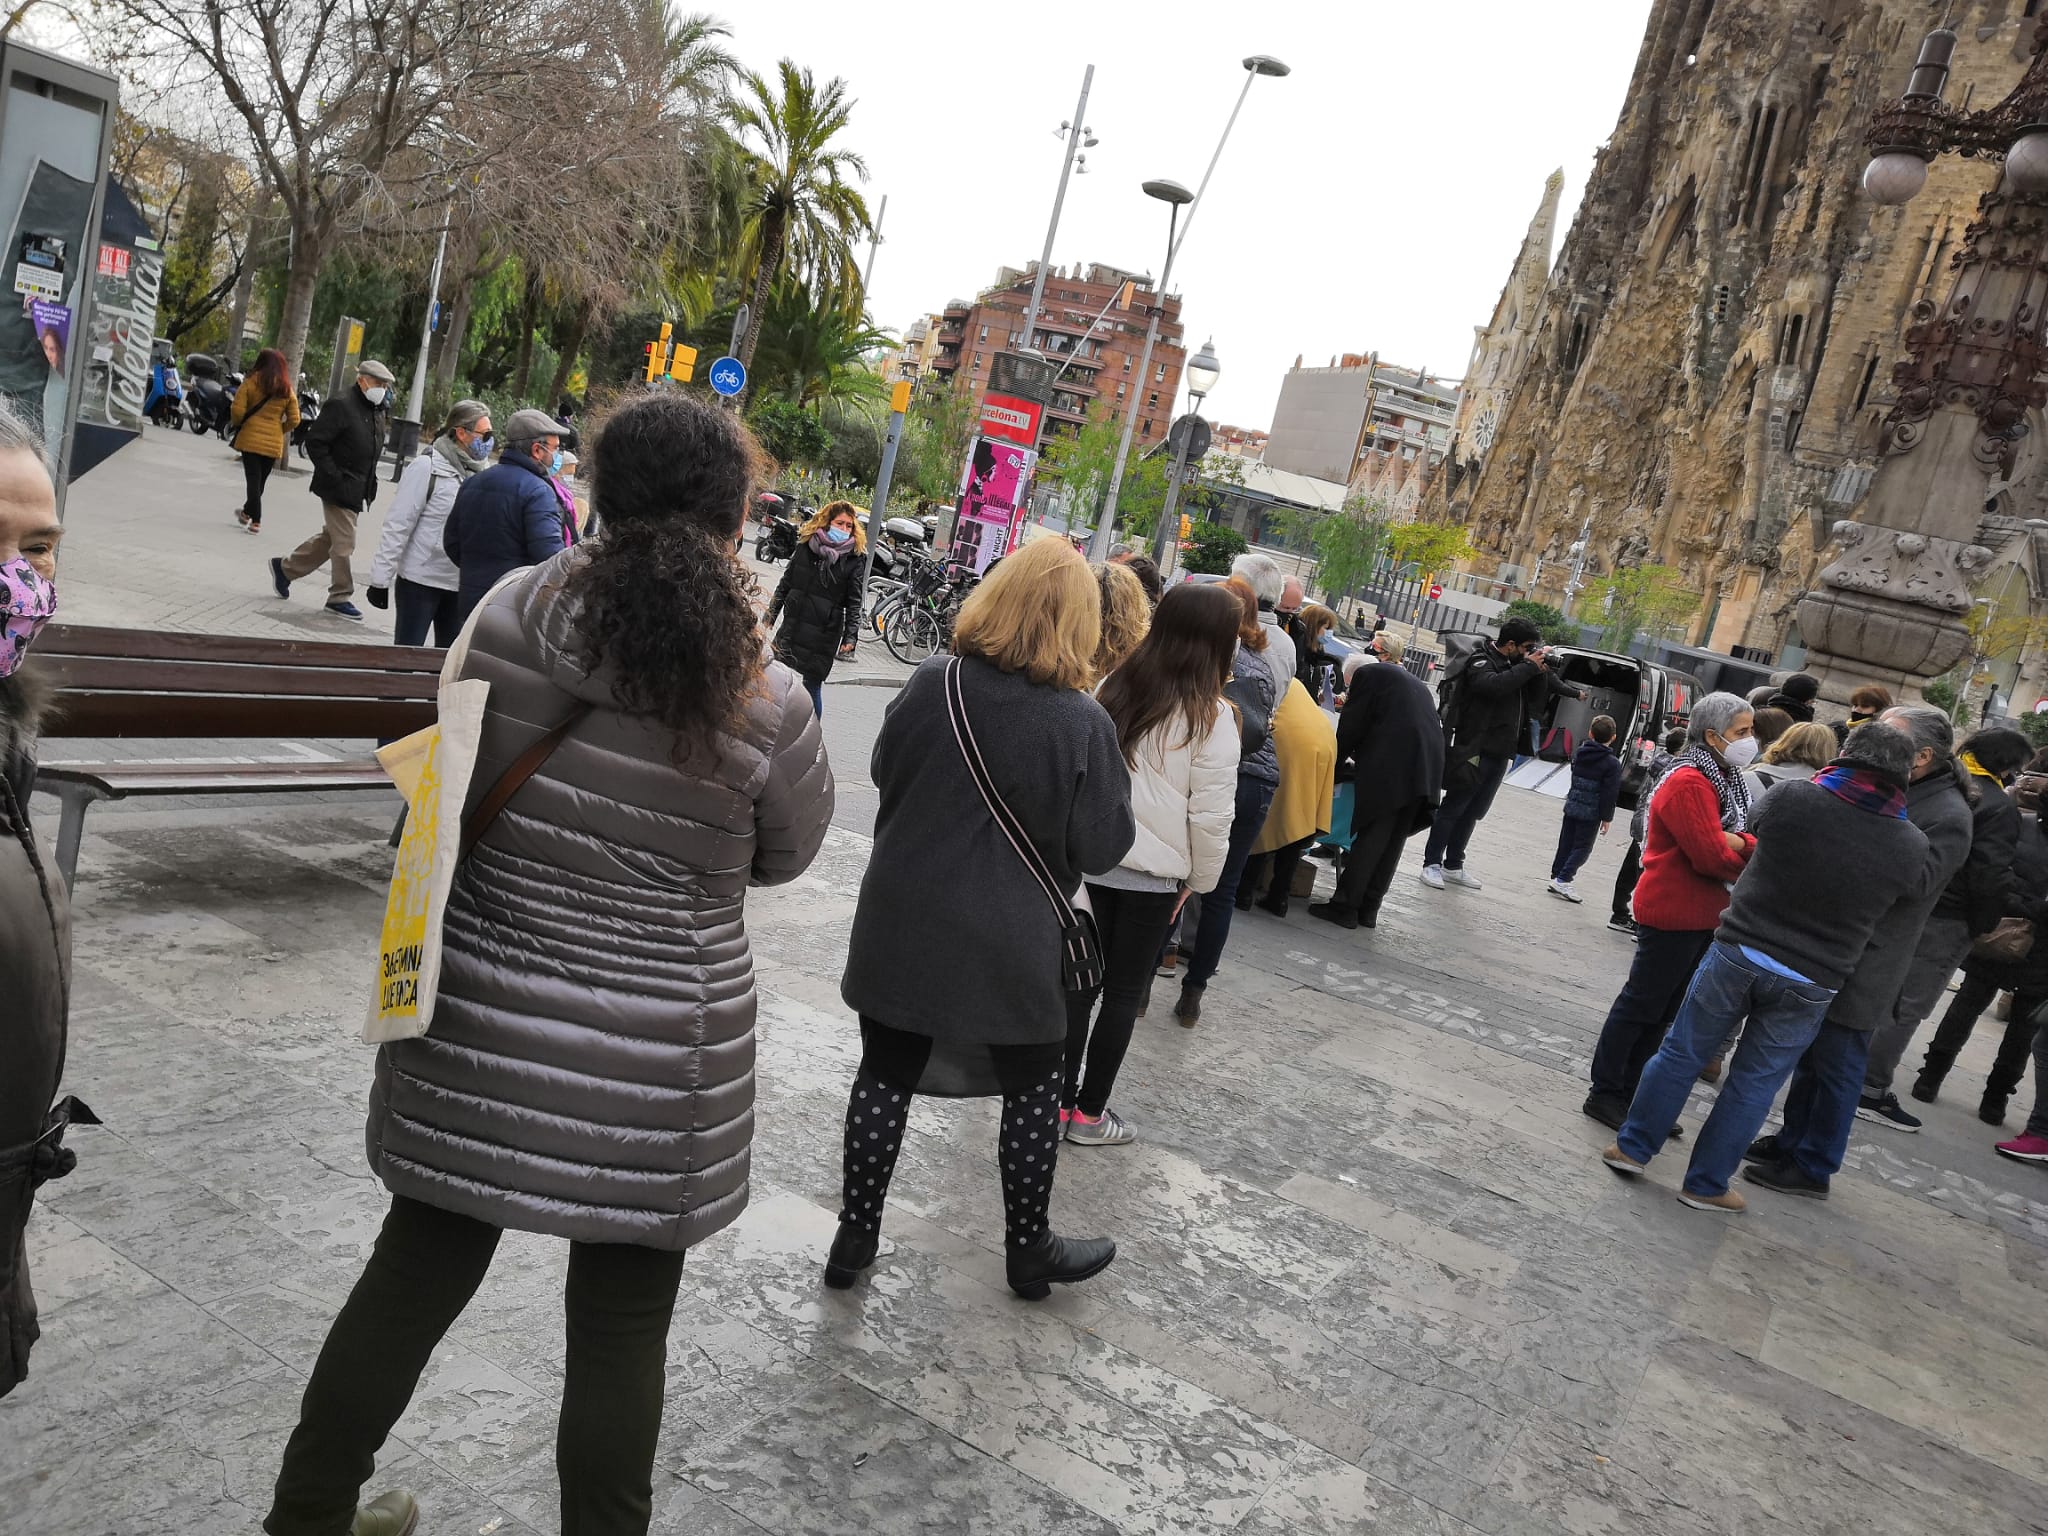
[1532, 266]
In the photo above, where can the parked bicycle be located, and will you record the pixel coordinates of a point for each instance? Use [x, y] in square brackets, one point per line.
[917, 622]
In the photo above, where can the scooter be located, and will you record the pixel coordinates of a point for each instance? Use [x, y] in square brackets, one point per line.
[309, 412]
[777, 538]
[163, 405]
[207, 403]
[901, 537]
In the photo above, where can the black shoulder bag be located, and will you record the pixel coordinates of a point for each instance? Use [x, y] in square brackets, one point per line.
[1080, 949]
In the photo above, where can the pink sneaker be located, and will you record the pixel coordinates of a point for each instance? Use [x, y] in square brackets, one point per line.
[2025, 1149]
[1066, 1115]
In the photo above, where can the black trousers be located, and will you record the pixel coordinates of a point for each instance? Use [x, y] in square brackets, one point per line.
[256, 468]
[419, 610]
[1370, 863]
[1468, 796]
[1133, 926]
[1283, 862]
[1664, 962]
[426, 1266]
[1625, 882]
[2009, 1069]
[1575, 839]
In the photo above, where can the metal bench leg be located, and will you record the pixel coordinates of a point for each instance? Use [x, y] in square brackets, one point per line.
[398, 826]
[71, 830]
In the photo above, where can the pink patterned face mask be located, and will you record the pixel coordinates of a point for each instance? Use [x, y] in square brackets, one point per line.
[27, 601]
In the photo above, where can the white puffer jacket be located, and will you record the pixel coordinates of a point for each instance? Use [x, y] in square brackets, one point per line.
[1184, 797]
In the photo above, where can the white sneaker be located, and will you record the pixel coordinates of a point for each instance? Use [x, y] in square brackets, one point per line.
[1433, 876]
[1462, 877]
[1564, 889]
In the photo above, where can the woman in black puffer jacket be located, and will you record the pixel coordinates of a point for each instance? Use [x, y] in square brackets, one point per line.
[818, 598]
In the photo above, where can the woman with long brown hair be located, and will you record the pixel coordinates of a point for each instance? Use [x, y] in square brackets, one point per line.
[1257, 687]
[954, 963]
[589, 1069]
[1180, 741]
[260, 423]
[818, 598]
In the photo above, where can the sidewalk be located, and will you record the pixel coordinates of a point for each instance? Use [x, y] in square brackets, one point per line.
[1371, 1278]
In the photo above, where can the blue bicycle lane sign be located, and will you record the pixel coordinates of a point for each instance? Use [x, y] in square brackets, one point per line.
[728, 376]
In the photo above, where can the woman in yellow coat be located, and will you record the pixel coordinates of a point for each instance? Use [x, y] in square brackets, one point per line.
[260, 423]
[1305, 739]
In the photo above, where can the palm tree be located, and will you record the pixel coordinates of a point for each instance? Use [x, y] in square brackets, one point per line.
[802, 212]
[813, 350]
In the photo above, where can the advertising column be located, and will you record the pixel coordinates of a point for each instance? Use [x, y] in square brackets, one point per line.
[995, 488]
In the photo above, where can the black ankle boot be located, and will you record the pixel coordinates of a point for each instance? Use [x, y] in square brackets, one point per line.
[1050, 1260]
[852, 1251]
[1991, 1109]
[1189, 1009]
[1268, 903]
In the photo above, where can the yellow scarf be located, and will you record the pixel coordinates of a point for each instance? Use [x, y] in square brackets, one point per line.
[1969, 761]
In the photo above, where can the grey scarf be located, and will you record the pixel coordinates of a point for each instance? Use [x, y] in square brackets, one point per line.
[455, 456]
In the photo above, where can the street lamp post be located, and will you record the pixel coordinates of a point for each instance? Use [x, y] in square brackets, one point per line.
[1202, 373]
[1171, 192]
[1890, 608]
[1077, 137]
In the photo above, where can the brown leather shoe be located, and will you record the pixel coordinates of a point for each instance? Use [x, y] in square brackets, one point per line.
[1730, 1203]
[1711, 1072]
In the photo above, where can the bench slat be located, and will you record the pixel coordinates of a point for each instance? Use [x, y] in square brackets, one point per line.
[166, 645]
[119, 780]
[234, 715]
[107, 674]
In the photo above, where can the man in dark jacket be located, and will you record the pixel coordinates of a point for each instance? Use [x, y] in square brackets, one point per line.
[1832, 857]
[1492, 695]
[1820, 1106]
[1390, 746]
[508, 516]
[344, 443]
[1795, 696]
[1971, 903]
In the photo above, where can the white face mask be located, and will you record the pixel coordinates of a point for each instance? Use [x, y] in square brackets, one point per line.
[1739, 754]
[375, 394]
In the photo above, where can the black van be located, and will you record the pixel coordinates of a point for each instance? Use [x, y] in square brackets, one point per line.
[1644, 700]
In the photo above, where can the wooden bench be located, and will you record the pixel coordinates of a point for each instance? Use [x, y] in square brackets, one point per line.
[157, 684]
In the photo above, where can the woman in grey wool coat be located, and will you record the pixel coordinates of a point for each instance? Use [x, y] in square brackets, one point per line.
[589, 1072]
[954, 961]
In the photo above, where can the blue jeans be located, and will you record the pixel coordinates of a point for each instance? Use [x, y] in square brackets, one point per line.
[1466, 803]
[1575, 838]
[1254, 799]
[1783, 1016]
[1820, 1107]
[816, 689]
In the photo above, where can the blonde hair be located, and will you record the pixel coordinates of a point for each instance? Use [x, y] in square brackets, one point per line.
[1126, 615]
[1812, 745]
[821, 519]
[1392, 647]
[1040, 613]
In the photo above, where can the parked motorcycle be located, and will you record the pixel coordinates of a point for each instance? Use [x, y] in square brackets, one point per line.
[777, 538]
[901, 537]
[309, 412]
[208, 404]
[163, 406]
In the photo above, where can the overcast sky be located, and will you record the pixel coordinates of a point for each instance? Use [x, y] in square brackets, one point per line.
[1373, 199]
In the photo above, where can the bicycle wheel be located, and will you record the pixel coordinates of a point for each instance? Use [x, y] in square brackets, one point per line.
[912, 635]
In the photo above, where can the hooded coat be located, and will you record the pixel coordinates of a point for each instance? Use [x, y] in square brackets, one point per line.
[35, 961]
[590, 1068]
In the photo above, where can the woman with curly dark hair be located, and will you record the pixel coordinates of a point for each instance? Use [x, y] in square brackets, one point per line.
[818, 598]
[588, 1071]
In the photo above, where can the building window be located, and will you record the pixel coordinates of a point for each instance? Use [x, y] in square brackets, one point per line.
[1127, 358]
[1146, 429]
[977, 360]
[1152, 401]
[984, 334]
[1120, 390]
[1869, 378]
[1160, 376]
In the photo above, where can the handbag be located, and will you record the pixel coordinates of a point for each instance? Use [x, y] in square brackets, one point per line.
[1254, 716]
[236, 424]
[2007, 944]
[1080, 947]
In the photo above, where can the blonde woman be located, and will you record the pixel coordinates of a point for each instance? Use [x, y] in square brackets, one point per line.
[954, 962]
[818, 598]
[1800, 752]
[1126, 615]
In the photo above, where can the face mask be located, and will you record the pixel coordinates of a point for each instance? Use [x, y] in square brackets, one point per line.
[555, 464]
[376, 395]
[1740, 754]
[480, 448]
[27, 602]
[837, 535]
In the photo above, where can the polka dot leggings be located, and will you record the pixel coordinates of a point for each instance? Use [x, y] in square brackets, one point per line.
[1027, 1151]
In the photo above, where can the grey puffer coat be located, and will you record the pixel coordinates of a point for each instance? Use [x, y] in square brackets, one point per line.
[590, 1068]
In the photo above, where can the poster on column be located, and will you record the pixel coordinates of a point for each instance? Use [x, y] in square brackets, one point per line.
[993, 495]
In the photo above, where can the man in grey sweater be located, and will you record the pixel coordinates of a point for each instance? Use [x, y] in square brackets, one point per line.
[1832, 857]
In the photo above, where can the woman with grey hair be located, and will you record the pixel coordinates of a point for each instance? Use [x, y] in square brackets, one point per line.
[409, 552]
[1695, 845]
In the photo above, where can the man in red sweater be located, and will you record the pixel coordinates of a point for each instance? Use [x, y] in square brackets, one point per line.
[1694, 847]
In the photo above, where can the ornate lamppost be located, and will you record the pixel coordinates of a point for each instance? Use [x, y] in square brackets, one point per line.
[1891, 606]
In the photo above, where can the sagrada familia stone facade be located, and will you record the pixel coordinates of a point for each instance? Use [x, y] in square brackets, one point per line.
[1701, 380]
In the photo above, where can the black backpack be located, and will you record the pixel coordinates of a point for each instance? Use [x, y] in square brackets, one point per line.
[1450, 691]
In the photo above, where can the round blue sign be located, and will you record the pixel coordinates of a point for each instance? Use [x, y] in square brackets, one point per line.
[728, 376]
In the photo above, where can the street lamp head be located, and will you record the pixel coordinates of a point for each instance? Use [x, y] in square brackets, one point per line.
[1203, 370]
[1895, 177]
[1266, 64]
[1169, 192]
[2026, 163]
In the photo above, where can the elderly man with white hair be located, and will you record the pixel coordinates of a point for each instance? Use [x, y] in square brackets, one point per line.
[1269, 584]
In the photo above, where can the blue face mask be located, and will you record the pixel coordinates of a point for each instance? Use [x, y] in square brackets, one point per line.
[555, 464]
[837, 535]
[480, 448]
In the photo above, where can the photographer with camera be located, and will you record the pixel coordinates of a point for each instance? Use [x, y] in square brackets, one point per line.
[1488, 700]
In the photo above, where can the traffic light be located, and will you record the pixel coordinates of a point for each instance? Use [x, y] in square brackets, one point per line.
[657, 353]
[1187, 527]
[682, 363]
[653, 366]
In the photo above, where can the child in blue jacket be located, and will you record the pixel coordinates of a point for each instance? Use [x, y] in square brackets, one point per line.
[1596, 786]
